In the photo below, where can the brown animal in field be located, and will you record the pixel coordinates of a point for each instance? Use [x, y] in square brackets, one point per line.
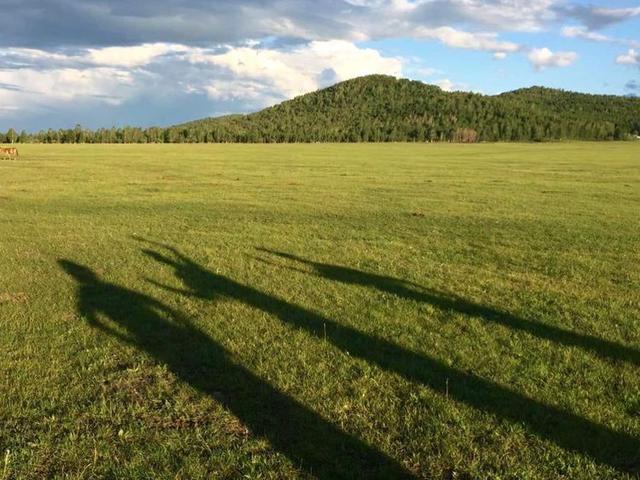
[10, 152]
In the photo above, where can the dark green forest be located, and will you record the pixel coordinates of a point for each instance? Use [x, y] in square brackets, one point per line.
[380, 108]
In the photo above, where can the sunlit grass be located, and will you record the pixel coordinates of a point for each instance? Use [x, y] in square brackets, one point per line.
[219, 311]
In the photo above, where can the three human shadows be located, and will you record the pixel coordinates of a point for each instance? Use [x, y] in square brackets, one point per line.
[310, 441]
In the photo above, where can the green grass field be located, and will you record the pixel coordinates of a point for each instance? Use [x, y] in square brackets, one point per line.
[320, 311]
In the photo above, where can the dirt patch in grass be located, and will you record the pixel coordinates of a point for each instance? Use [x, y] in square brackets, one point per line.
[13, 297]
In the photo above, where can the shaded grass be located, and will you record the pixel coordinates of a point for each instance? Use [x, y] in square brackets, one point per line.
[432, 310]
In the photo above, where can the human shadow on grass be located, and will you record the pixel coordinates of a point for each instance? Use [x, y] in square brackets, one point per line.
[571, 432]
[411, 291]
[309, 441]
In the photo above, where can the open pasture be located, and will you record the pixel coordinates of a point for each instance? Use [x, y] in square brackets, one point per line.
[320, 311]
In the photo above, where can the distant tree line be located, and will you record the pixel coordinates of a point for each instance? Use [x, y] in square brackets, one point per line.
[379, 108]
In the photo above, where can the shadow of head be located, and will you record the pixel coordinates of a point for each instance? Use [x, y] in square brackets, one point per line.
[158, 257]
[351, 275]
[79, 272]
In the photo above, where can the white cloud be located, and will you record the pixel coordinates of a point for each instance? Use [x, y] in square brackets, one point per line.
[252, 77]
[198, 22]
[542, 58]
[509, 15]
[585, 34]
[616, 14]
[499, 55]
[450, 86]
[37, 87]
[445, 84]
[582, 32]
[285, 74]
[595, 17]
[632, 57]
[133, 56]
[474, 41]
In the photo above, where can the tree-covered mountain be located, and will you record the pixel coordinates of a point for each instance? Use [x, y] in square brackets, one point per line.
[380, 108]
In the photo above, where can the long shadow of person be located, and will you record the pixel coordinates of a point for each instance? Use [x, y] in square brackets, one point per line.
[569, 431]
[309, 441]
[411, 291]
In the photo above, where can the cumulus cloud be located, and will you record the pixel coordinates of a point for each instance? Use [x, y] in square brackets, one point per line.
[584, 33]
[252, 77]
[632, 57]
[133, 56]
[504, 15]
[94, 23]
[43, 88]
[473, 24]
[284, 74]
[89, 23]
[450, 86]
[600, 17]
[595, 17]
[542, 58]
[41, 98]
[474, 41]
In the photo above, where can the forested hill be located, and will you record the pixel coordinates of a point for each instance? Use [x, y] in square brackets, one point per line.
[380, 108]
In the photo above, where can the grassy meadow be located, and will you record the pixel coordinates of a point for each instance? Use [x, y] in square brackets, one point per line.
[320, 311]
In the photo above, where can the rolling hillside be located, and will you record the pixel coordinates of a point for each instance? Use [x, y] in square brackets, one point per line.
[382, 108]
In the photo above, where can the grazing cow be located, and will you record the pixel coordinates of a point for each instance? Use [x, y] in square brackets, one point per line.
[10, 152]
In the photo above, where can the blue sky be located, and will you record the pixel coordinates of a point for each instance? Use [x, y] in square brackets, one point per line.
[158, 62]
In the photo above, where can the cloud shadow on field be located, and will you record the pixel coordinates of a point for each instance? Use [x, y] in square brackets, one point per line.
[311, 443]
[410, 291]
